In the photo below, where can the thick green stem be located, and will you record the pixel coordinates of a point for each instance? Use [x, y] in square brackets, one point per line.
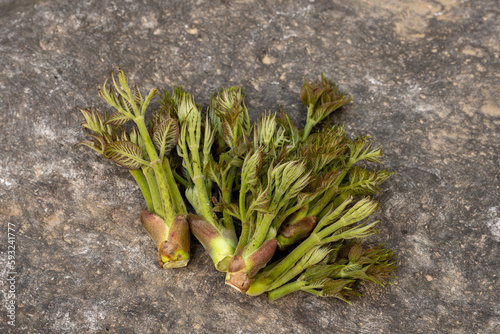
[242, 200]
[199, 181]
[243, 240]
[245, 225]
[286, 277]
[260, 234]
[227, 196]
[177, 199]
[228, 223]
[323, 202]
[155, 192]
[156, 164]
[341, 198]
[285, 290]
[169, 214]
[265, 280]
[143, 185]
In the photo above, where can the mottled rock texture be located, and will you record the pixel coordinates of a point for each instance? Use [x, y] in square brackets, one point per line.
[425, 76]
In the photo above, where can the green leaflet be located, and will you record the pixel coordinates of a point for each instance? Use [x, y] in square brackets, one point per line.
[165, 136]
[125, 154]
[117, 119]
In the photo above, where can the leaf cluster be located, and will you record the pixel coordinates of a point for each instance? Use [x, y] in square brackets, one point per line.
[322, 97]
[347, 263]
[287, 187]
[109, 134]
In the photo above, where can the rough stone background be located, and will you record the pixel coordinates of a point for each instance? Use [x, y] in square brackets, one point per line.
[425, 76]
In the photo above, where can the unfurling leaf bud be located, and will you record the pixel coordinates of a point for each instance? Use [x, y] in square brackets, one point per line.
[289, 234]
[322, 98]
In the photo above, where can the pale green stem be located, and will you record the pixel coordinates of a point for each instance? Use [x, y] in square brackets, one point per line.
[226, 195]
[156, 164]
[155, 191]
[199, 181]
[178, 201]
[242, 200]
[245, 228]
[285, 290]
[263, 281]
[143, 185]
[260, 234]
[180, 179]
[286, 277]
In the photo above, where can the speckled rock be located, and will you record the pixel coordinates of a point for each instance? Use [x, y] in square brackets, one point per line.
[426, 86]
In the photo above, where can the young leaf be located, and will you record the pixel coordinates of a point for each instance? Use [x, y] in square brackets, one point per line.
[251, 167]
[117, 119]
[125, 154]
[123, 80]
[93, 120]
[148, 99]
[90, 144]
[361, 149]
[137, 96]
[165, 136]
[213, 172]
[291, 129]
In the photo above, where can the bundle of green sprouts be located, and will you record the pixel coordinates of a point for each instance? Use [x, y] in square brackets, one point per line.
[145, 152]
[277, 208]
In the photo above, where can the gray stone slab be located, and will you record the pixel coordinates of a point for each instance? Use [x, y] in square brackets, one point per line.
[425, 76]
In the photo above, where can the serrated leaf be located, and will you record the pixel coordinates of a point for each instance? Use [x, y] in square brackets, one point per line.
[237, 162]
[251, 167]
[108, 138]
[259, 203]
[137, 96]
[89, 144]
[233, 210]
[355, 253]
[208, 141]
[177, 94]
[320, 271]
[229, 208]
[334, 287]
[165, 136]
[123, 79]
[110, 96]
[228, 134]
[212, 171]
[148, 99]
[125, 104]
[133, 136]
[98, 140]
[360, 274]
[117, 119]
[93, 120]
[125, 154]
[123, 136]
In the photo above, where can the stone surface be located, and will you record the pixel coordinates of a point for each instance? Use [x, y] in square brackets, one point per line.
[426, 86]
